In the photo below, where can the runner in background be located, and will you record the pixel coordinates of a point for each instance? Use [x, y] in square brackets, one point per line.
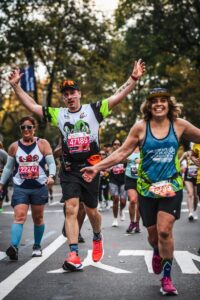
[190, 178]
[117, 187]
[3, 160]
[104, 186]
[131, 175]
[26, 159]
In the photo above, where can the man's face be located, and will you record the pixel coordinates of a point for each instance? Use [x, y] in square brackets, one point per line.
[159, 106]
[71, 99]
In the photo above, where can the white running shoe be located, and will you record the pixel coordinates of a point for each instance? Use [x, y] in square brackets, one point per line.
[195, 215]
[37, 251]
[190, 216]
[115, 223]
[122, 215]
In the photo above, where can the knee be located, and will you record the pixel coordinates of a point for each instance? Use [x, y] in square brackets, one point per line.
[93, 212]
[163, 235]
[21, 218]
[38, 220]
[71, 208]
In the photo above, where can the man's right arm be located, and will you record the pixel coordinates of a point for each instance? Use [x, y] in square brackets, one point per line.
[26, 100]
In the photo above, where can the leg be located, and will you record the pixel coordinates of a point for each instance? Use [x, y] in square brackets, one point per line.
[38, 220]
[81, 218]
[71, 222]
[20, 214]
[190, 198]
[95, 220]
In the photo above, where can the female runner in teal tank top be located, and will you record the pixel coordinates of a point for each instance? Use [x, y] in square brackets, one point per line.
[160, 183]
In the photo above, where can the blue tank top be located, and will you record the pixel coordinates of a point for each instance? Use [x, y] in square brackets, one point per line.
[159, 161]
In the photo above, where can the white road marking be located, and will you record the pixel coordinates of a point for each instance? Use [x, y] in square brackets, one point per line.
[89, 262]
[2, 255]
[7, 285]
[183, 258]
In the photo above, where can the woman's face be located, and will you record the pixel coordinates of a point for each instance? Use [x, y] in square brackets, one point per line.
[27, 129]
[116, 144]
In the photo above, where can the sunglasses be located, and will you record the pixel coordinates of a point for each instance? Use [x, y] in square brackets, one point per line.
[29, 127]
[116, 144]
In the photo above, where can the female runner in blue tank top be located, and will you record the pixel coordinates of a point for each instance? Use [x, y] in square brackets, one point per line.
[159, 180]
[26, 159]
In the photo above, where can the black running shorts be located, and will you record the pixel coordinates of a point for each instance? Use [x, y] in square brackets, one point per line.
[130, 183]
[149, 207]
[74, 186]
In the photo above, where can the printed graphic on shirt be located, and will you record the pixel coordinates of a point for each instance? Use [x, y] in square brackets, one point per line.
[77, 136]
[29, 167]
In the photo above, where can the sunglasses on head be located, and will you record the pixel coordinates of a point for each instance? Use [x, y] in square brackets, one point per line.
[29, 127]
[68, 83]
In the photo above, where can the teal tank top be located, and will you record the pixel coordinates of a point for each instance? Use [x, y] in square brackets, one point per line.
[159, 161]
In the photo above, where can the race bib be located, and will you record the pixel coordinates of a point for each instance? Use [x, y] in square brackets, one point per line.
[162, 189]
[192, 171]
[118, 169]
[29, 170]
[78, 142]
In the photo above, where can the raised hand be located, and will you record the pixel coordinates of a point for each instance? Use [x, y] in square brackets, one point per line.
[15, 76]
[138, 69]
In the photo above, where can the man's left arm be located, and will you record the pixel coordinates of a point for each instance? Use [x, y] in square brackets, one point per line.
[128, 86]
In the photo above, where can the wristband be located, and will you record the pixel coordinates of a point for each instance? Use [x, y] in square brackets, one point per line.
[134, 78]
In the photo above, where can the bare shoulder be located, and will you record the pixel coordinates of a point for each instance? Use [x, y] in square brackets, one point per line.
[44, 147]
[13, 149]
[139, 126]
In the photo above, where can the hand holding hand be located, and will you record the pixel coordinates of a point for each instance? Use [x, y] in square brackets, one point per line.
[89, 173]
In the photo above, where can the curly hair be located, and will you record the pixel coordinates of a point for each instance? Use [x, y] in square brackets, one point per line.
[174, 108]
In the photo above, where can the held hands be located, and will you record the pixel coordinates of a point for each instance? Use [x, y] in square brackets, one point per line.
[50, 181]
[89, 173]
[15, 77]
[138, 69]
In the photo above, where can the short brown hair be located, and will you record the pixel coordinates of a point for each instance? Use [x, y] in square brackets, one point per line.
[174, 108]
[28, 118]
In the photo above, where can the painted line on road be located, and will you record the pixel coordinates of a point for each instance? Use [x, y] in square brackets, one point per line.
[2, 255]
[7, 285]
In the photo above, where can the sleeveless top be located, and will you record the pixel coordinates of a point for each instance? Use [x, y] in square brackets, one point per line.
[29, 169]
[159, 161]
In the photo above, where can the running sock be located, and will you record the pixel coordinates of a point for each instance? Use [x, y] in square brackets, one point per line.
[156, 251]
[96, 236]
[16, 234]
[167, 265]
[38, 233]
[74, 248]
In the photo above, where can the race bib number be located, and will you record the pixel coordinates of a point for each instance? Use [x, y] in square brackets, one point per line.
[78, 142]
[192, 171]
[29, 170]
[162, 189]
[118, 169]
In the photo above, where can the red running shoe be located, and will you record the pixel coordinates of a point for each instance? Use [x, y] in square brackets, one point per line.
[167, 287]
[157, 264]
[97, 251]
[72, 262]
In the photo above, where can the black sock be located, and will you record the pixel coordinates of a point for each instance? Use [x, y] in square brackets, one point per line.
[97, 236]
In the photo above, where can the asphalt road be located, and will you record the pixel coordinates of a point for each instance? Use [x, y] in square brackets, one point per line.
[124, 273]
